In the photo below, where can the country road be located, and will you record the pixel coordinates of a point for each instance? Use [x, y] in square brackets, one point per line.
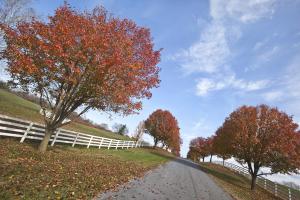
[178, 179]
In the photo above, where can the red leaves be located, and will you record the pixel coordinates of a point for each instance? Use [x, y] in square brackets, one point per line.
[261, 135]
[111, 61]
[163, 127]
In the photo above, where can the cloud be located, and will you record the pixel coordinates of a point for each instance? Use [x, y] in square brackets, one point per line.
[245, 11]
[208, 54]
[206, 85]
[272, 96]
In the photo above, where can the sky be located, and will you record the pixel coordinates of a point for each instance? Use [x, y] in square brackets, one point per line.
[217, 55]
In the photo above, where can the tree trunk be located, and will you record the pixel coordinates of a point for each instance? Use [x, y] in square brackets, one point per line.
[210, 158]
[203, 159]
[43, 145]
[223, 161]
[155, 143]
[253, 182]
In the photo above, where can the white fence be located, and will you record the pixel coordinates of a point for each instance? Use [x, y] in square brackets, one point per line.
[14, 127]
[278, 190]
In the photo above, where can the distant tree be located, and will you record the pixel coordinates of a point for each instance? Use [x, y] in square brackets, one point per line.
[163, 127]
[81, 60]
[139, 131]
[199, 147]
[209, 147]
[222, 143]
[120, 129]
[12, 12]
[264, 137]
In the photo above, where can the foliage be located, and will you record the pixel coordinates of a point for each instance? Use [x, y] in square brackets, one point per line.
[199, 148]
[69, 173]
[262, 136]
[87, 60]
[163, 127]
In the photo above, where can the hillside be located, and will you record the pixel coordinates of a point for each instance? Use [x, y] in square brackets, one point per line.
[69, 173]
[15, 106]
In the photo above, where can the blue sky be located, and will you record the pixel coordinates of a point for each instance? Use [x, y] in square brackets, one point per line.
[217, 55]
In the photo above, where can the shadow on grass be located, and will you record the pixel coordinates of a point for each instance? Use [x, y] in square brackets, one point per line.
[227, 177]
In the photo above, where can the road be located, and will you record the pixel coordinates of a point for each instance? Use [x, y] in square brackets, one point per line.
[178, 179]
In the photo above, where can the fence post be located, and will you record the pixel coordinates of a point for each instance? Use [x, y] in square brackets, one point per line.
[75, 140]
[109, 143]
[117, 144]
[101, 143]
[26, 132]
[265, 184]
[54, 139]
[123, 145]
[88, 146]
[290, 194]
[128, 144]
[275, 189]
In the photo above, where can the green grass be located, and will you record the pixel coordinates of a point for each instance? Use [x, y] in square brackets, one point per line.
[15, 106]
[64, 172]
[235, 184]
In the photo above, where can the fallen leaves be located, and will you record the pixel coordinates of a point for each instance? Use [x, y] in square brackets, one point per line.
[66, 173]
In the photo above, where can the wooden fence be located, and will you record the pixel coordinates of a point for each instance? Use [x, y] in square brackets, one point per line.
[278, 190]
[18, 128]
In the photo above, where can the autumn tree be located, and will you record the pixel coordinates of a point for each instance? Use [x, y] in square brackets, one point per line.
[222, 143]
[81, 61]
[163, 127]
[264, 137]
[198, 147]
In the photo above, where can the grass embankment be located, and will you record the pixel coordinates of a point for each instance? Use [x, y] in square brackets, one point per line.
[235, 184]
[15, 106]
[69, 173]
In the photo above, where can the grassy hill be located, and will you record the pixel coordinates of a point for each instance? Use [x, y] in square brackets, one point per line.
[64, 172]
[15, 106]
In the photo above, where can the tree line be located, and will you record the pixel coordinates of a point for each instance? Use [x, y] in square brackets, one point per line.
[256, 136]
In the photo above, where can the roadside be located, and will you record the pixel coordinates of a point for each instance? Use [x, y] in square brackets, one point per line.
[236, 185]
[64, 172]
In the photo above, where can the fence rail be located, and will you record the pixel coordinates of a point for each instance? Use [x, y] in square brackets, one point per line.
[281, 191]
[18, 128]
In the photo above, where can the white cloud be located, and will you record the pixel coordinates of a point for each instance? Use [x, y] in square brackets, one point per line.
[206, 85]
[245, 11]
[208, 54]
[272, 96]
[266, 56]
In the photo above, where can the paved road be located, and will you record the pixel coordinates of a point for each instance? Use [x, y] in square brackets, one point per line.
[178, 179]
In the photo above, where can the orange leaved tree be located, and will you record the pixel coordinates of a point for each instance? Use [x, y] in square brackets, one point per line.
[163, 127]
[81, 61]
[262, 136]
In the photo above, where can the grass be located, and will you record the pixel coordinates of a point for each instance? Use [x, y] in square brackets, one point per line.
[236, 185]
[15, 106]
[69, 173]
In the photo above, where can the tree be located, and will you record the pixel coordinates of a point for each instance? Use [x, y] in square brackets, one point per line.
[222, 143]
[82, 61]
[264, 137]
[163, 127]
[139, 131]
[120, 129]
[199, 148]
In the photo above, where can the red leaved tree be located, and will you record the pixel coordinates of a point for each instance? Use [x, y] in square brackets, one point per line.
[264, 137]
[163, 127]
[82, 61]
[199, 148]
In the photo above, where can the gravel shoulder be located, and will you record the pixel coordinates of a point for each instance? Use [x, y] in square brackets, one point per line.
[178, 179]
